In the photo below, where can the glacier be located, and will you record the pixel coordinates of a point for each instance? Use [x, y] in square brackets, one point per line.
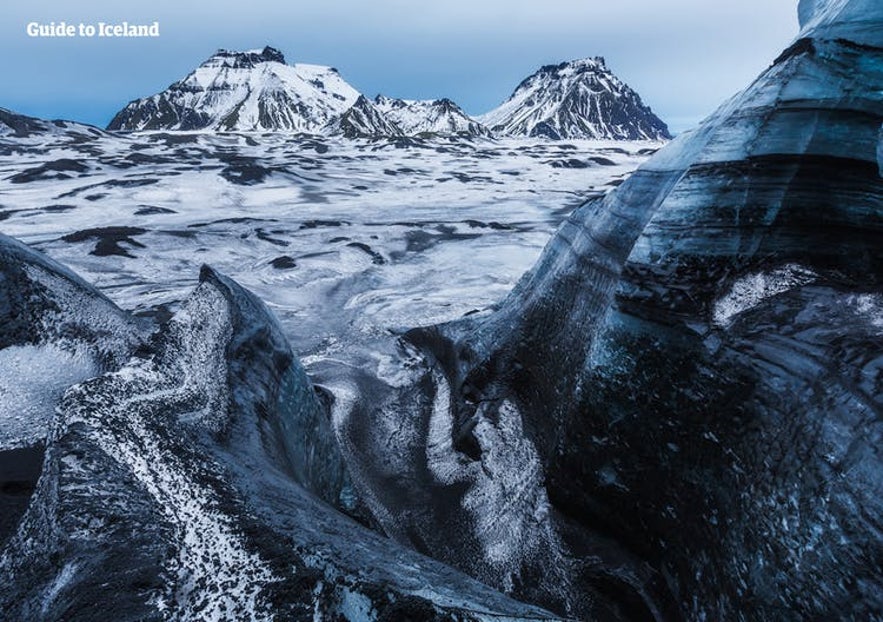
[673, 415]
[695, 359]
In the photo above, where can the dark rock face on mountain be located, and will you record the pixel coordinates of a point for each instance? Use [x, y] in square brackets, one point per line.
[440, 116]
[682, 399]
[256, 91]
[21, 126]
[576, 99]
[363, 120]
[244, 91]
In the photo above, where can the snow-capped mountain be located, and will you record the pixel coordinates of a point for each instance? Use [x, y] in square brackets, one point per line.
[362, 120]
[576, 99]
[439, 116]
[256, 90]
[244, 91]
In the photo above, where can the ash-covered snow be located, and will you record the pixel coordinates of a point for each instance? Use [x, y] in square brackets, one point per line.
[389, 233]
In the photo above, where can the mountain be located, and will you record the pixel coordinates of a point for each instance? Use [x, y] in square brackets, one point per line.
[13, 124]
[256, 90]
[362, 120]
[576, 99]
[439, 116]
[244, 91]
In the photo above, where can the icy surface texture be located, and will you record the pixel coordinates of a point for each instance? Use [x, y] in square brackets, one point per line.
[55, 330]
[673, 415]
[173, 481]
[697, 365]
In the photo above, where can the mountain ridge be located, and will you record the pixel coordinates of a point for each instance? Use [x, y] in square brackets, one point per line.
[256, 90]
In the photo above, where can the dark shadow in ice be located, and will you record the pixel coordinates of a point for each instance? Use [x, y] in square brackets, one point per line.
[376, 257]
[266, 237]
[284, 262]
[313, 224]
[113, 183]
[19, 471]
[244, 171]
[569, 163]
[150, 210]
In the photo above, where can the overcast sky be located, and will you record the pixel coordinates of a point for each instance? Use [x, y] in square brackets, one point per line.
[683, 56]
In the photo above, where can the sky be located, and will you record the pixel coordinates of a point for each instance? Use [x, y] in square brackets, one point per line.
[684, 57]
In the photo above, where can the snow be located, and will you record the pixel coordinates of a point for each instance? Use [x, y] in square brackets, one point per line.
[64, 577]
[752, 289]
[215, 576]
[567, 98]
[238, 96]
[435, 116]
[454, 226]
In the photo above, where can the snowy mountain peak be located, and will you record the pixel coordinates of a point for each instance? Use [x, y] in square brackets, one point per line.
[575, 99]
[244, 91]
[247, 59]
[438, 116]
[363, 120]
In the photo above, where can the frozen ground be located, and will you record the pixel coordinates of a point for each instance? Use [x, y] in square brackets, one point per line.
[345, 240]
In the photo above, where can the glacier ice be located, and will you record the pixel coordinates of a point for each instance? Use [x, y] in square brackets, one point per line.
[695, 359]
[192, 480]
[674, 415]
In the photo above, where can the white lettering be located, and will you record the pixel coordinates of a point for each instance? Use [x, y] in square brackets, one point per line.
[61, 29]
[103, 29]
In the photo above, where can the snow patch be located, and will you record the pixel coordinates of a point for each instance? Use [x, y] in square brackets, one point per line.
[751, 290]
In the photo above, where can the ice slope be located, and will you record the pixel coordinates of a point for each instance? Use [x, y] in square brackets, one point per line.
[167, 494]
[696, 359]
[55, 330]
